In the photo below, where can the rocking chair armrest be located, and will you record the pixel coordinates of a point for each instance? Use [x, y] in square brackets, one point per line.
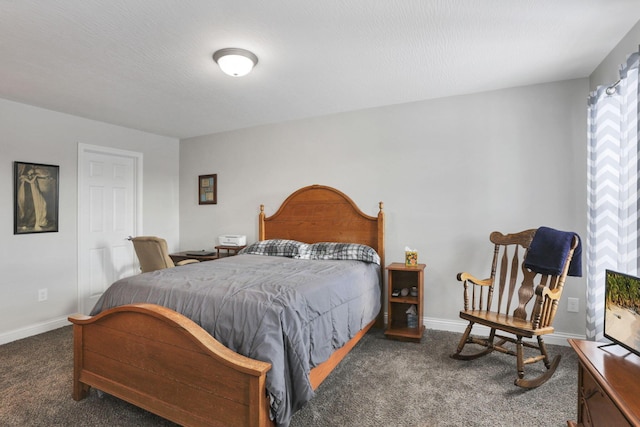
[553, 294]
[463, 277]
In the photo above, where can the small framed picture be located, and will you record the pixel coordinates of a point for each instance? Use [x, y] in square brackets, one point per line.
[208, 189]
[35, 198]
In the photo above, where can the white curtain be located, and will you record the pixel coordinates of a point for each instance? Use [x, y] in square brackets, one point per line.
[612, 241]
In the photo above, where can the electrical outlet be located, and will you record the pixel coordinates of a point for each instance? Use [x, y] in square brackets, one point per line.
[42, 295]
[572, 305]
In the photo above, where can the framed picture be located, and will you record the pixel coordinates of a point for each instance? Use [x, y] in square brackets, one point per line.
[35, 198]
[208, 189]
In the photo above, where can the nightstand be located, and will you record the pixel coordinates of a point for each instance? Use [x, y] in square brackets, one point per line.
[402, 277]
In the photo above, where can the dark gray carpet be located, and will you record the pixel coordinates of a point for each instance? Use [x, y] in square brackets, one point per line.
[380, 383]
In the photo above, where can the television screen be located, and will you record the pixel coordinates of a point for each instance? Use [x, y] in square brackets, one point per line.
[622, 310]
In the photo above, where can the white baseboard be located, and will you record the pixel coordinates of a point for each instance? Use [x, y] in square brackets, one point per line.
[557, 338]
[36, 329]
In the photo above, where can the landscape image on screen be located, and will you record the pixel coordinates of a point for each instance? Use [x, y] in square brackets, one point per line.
[622, 310]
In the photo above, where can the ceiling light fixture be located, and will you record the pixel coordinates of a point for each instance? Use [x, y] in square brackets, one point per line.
[235, 62]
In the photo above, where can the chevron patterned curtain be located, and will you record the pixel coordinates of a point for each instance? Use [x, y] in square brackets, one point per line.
[613, 240]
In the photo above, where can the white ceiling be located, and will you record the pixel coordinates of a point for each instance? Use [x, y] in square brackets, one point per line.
[146, 64]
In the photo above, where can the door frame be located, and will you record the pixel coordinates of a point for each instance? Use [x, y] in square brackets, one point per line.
[83, 150]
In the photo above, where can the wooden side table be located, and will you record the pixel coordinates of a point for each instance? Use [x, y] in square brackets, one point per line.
[230, 250]
[403, 277]
[199, 255]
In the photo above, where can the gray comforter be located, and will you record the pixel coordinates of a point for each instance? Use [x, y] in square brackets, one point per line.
[292, 313]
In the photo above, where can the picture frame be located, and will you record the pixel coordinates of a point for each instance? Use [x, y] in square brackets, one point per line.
[208, 189]
[36, 197]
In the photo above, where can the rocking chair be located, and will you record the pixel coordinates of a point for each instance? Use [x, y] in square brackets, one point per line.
[545, 253]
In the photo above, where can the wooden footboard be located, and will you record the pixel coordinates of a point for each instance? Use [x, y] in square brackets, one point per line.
[159, 360]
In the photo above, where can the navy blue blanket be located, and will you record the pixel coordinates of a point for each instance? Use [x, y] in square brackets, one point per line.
[549, 249]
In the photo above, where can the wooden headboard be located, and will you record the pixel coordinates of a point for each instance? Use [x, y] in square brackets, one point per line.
[318, 213]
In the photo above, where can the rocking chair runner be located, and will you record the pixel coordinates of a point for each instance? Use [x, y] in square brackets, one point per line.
[510, 253]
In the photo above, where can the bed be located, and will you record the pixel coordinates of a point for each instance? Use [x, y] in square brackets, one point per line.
[159, 359]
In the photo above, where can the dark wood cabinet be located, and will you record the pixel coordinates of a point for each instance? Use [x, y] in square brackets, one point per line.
[608, 385]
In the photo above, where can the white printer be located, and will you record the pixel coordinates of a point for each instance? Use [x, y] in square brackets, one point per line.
[232, 240]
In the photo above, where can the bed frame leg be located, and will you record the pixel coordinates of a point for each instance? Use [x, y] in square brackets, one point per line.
[80, 390]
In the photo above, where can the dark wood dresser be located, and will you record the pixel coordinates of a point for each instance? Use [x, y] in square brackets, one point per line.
[608, 385]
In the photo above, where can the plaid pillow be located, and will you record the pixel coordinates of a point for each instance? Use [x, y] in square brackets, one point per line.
[340, 251]
[274, 247]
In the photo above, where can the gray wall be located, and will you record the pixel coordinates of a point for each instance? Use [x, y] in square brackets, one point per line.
[29, 262]
[449, 172]
[608, 70]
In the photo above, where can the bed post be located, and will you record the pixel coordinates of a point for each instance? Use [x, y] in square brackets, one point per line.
[80, 390]
[381, 234]
[380, 319]
[261, 235]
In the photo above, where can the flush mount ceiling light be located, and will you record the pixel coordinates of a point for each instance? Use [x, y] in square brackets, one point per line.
[235, 62]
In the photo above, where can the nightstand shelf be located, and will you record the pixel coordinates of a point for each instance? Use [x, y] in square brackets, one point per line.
[400, 277]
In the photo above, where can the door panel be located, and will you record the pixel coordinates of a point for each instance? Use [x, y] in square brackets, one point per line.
[107, 215]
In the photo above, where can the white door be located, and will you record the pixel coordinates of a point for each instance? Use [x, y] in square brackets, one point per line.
[109, 211]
